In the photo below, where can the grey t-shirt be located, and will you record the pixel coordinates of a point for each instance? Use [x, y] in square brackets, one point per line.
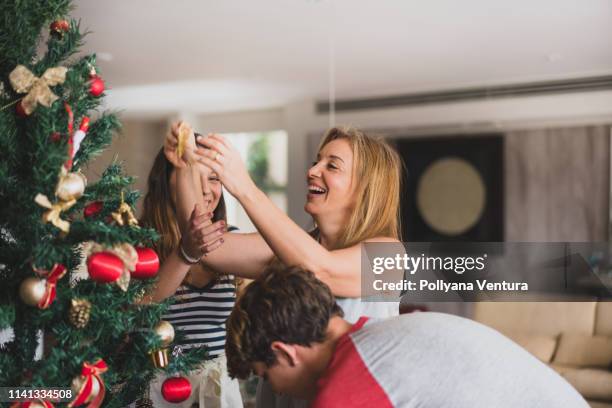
[432, 360]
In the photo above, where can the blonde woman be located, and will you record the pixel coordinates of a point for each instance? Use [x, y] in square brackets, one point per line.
[353, 197]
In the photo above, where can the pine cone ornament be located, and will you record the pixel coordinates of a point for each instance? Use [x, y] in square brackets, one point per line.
[80, 309]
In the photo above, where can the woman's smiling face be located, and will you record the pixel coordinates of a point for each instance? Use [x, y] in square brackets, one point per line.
[331, 190]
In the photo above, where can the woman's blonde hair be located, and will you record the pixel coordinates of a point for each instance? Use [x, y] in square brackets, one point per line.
[377, 172]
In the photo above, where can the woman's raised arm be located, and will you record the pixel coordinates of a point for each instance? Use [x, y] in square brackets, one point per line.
[244, 255]
[339, 269]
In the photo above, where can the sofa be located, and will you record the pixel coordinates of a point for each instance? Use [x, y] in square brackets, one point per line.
[574, 338]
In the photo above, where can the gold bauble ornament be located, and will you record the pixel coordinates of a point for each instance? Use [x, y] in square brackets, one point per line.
[32, 290]
[160, 358]
[80, 310]
[78, 383]
[70, 186]
[165, 331]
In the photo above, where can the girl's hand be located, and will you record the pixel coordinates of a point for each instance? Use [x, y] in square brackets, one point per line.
[203, 235]
[171, 146]
[223, 159]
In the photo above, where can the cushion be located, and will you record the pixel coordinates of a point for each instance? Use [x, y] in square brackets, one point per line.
[549, 318]
[603, 319]
[540, 345]
[584, 351]
[592, 383]
[561, 369]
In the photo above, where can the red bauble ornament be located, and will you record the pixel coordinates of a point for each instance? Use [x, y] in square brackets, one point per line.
[96, 87]
[20, 111]
[56, 137]
[147, 265]
[59, 27]
[93, 209]
[104, 267]
[176, 389]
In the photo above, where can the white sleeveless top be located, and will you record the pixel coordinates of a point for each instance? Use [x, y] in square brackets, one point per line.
[354, 308]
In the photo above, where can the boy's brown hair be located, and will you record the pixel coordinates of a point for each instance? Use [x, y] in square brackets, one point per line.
[286, 304]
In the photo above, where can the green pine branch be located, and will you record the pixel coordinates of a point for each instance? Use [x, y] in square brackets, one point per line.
[34, 149]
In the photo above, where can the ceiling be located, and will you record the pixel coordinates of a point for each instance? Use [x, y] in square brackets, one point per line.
[211, 56]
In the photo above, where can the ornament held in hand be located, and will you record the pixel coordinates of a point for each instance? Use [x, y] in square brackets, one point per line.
[184, 132]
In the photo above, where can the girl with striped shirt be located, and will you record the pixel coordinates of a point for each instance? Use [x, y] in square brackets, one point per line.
[203, 299]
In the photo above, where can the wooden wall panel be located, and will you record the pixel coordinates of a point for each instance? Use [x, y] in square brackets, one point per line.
[558, 184]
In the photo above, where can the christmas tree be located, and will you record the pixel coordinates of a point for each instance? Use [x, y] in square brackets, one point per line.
[97, 335]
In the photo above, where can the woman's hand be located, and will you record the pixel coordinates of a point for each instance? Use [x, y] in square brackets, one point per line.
[203, 236]
[223, 159]
[171, 145]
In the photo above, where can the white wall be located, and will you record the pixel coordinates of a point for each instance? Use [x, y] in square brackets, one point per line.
[136, 147]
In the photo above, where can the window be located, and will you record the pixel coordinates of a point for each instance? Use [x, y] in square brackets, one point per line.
[265, 155]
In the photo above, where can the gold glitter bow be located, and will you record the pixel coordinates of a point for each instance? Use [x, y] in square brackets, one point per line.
[70, 187]
[38, 91]
[124, 214]
[53, 215]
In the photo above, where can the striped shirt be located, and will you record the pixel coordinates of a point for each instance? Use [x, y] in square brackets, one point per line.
[201, 314]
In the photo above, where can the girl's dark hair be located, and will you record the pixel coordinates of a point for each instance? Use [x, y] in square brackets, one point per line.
[159, 210]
